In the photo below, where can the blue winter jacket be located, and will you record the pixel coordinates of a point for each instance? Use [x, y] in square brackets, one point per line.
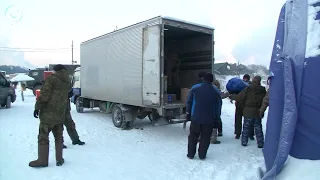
[204, 103]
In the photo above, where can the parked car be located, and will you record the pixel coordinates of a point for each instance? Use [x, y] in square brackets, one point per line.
[7, 92]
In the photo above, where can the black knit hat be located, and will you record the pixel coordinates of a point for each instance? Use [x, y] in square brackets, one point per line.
[246, 76]
[208, 77]
[59, 67]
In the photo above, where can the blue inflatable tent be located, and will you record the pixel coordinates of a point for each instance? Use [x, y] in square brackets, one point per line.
[293, 125]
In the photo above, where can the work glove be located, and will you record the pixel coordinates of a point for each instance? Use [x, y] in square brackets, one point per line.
[261, 114]
[36, 113]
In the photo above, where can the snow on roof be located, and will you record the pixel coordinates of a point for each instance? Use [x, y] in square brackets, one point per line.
[187, 22]
[313, 36]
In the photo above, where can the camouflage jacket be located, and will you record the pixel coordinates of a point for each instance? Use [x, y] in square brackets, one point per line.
[251, 99]
[265, 103]
[53, 99]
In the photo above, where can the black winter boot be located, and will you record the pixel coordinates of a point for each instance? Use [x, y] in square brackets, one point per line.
[78, 142]
[260, 146]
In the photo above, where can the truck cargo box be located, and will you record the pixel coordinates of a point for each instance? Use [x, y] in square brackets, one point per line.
[129, 65]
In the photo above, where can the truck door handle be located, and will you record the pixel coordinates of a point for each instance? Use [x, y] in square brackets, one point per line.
[151, 93]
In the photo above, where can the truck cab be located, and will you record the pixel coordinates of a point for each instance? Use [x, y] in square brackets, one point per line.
[76, 85]
[38, 76]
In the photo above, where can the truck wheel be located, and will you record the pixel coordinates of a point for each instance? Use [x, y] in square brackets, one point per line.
[8, 104]
[117, 116]
[78, 107]
[35, 89]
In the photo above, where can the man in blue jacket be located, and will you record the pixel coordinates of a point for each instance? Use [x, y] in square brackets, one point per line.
[203, 109]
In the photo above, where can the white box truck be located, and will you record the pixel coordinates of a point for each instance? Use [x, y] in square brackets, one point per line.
[139, 71]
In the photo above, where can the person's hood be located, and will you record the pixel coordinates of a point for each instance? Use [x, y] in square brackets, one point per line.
[63, 76]
[257, 86]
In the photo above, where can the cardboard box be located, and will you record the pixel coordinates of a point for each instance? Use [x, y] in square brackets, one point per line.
[166, 98]
[184, 94]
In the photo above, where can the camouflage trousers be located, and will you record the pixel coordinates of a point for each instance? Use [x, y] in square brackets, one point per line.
[45, 129]
[214, 135]
[71, 127]
[247, 124]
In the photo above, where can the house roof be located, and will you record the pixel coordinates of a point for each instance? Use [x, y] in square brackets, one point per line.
[233, 69]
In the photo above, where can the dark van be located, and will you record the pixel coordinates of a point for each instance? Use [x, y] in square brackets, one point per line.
[7, 93]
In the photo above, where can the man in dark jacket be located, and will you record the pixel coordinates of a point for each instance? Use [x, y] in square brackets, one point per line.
[239, 114]
[51, 108]
[218, 125]
[204, 109]
[251, 98]
[71, 126]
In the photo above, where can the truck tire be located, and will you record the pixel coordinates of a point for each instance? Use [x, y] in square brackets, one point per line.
[8, 104]
[78, 107]
[35, 89]
[117, 116]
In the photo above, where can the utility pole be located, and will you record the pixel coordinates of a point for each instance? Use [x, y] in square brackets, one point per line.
[72, 53]
[72, 61]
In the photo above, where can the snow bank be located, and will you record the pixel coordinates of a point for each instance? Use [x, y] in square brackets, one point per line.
[296, 169]
[313, 37]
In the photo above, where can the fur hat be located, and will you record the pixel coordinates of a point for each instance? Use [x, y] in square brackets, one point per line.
[59, 67]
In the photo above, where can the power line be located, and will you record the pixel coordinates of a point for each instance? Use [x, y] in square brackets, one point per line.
[34, 48]
[10, 49]
[31, 51]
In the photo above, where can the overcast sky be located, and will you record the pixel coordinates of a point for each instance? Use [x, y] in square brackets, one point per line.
[245, 29]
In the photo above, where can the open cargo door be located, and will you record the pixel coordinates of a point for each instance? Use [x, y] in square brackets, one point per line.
[151, 66]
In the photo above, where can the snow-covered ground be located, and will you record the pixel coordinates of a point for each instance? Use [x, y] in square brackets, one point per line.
[156, 153]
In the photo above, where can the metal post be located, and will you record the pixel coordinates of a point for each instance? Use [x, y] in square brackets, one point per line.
[72, 53]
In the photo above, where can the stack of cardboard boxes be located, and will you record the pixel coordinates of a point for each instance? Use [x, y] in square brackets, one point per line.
[184, 94]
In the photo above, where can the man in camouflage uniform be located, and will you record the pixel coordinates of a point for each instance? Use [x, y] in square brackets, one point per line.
[265, 104]
[223, 96]
[71, 126]
[51, 108]
[217, 129]
[251, 98]
[239, 115]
